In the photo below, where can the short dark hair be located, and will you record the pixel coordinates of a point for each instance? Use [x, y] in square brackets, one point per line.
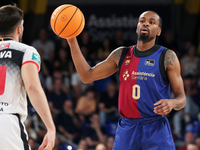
[160, 19]
[10, 17]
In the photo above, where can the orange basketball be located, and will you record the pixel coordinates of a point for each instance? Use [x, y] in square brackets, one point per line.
[67, 21]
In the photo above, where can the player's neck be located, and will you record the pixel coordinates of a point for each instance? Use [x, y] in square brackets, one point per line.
[143, 46]
[8, 37]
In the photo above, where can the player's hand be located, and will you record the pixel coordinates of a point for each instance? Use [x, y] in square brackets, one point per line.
[48, 141]
[163, 106]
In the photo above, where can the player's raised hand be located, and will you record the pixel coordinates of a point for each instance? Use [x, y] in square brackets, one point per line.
[163, 106]
[48, 141]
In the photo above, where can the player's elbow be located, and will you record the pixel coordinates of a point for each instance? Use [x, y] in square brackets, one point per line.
[184, 102]
[86, 80]
[33, 88]
[181, 104]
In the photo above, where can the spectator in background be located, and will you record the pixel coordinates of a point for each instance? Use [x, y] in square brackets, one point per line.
[78, 86]
[189, 137]
[32, 125]
[89, 59]
[168, 40]
[56, 97]
[82, 145]
[68, 123]
[85, 40]
[192, 146]
[57, 74]
[40, 134]
[58, 144]
[119, 38]
[86, 104]
[102, 84]
[190, 62]
[110, 142]
[32, 144]
[198, 133]
[94, 133]
[198, 142]
[47, 46]
[191, 109]
[44, 72]
[65, 62]
[198, 48]
[190, 84]
[101, 146]
[108, 104]
[105, 49]
[64, 44]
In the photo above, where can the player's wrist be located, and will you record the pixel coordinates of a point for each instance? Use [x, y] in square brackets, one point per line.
[71, 40]
[51, 129]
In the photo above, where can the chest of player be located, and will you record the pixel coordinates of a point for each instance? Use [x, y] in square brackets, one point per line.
[135, 69]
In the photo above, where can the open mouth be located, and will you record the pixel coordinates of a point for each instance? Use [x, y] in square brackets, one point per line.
[144, 30]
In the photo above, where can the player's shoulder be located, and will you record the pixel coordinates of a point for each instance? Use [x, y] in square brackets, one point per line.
[119, 52]
[170, 57]
[21, 46]
[168, 51]
[120, 49]
[116, 53]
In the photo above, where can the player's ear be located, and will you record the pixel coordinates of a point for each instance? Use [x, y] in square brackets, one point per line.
[19, 29]
[159, 31]
[137, 30]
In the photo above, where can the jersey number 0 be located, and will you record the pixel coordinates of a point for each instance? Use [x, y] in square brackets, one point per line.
[136, 91]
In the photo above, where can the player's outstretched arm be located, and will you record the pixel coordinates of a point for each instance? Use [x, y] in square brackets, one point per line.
[172, 66]
[100, 71]
[38, 100]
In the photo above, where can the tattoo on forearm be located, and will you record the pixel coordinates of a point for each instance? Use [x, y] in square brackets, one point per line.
[117, 54]
[169, 58]
[178, 106]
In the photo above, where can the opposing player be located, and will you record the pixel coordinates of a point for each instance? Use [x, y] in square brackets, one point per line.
[19, 66]
[146, 72]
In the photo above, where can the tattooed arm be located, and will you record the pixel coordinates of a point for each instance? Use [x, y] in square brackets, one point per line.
[101, 70]
[174, 74]
[172, 66]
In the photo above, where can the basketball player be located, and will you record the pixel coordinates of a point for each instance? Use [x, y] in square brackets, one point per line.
[19, 66]
[146, 71]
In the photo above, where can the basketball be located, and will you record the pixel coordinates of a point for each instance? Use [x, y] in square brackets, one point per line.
[67, 21]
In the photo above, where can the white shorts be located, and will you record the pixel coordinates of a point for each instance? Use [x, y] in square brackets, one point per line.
[13, 135]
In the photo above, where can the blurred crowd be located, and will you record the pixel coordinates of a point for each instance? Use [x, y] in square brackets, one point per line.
[86, 115]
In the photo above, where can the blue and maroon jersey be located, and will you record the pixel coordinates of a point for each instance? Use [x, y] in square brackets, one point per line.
[143, 81]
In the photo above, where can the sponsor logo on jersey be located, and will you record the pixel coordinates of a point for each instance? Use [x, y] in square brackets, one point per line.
[141, 75]
[36, 58]
[3, 105]
[125, 75]
[6, 54]
[149, 62]
[127, 62]
[4, 45]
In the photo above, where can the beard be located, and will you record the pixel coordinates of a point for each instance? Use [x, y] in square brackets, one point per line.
[143, 37]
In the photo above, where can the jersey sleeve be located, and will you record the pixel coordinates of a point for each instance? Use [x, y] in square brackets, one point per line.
[32, 56]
